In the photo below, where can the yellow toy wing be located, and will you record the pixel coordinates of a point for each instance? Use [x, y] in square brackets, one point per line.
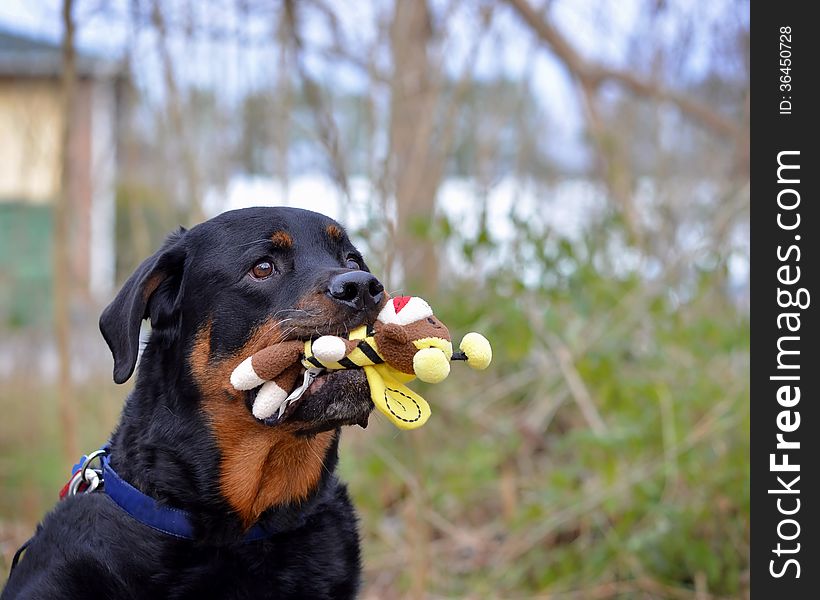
[404, 407]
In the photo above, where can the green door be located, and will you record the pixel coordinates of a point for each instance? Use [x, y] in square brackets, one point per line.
[25, 264]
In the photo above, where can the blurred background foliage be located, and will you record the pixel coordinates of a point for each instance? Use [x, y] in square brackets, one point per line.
[568, 177]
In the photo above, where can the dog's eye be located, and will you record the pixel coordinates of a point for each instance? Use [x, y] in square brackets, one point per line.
[262, 270]
[352, 263]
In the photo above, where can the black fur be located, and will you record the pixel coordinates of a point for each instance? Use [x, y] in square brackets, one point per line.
[87, 547]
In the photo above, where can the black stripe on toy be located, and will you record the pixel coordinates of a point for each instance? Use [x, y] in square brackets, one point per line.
[347, 363]
[315, 362]
[368, 351]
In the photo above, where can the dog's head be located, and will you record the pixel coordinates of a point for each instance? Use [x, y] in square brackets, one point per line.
[223, 290]
[220, 292]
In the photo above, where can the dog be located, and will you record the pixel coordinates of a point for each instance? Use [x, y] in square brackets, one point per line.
[187, 442]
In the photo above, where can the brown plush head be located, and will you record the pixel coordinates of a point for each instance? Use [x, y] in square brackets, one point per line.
[406, 325]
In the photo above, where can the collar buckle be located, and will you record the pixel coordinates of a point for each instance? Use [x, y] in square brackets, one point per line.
[87, 479]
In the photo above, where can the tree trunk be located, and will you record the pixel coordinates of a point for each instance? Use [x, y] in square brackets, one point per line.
[413, 162]
[182, 138]
[61, 261]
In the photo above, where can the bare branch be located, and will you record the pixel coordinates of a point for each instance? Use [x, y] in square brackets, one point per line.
[577, 387]
[613, 164]
[327, 130]
[175, 112]
[594, 75]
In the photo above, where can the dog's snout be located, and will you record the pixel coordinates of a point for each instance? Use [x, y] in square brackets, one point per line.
[357, 289]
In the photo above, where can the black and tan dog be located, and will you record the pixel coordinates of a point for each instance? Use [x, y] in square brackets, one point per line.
[215, 294]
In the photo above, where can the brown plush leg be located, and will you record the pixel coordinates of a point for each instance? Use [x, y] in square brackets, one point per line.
[272, 361]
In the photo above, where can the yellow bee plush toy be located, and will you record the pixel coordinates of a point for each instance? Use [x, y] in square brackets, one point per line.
[406, 341]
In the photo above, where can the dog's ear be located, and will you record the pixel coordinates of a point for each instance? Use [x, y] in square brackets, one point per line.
[153, 291]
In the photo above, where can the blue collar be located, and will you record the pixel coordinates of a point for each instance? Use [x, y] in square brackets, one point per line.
[166, 519]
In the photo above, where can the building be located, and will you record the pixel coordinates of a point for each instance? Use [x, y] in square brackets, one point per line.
[31, 119]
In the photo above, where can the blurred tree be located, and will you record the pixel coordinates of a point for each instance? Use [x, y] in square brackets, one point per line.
[62, 247]
[181, 143]
[414, 164]
[612, 156]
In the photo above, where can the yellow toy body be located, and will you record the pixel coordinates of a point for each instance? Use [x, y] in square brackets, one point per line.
[404, 407]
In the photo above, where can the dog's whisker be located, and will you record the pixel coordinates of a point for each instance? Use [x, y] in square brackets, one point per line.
[283, 335]
[291, 310]
[316, 454]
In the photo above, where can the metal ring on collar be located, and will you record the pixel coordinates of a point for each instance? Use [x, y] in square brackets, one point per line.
[92, 478]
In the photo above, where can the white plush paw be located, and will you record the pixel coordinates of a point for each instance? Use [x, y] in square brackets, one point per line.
[268, 400]
[244, 377]
[329, 348]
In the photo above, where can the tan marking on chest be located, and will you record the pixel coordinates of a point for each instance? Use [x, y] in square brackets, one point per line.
[260, 466]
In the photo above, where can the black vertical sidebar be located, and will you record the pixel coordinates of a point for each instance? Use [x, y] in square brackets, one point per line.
[785, 228]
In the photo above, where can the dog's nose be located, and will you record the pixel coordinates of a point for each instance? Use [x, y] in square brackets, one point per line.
[357, 289]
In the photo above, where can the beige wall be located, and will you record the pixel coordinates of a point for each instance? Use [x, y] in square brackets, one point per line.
[30, 165]
[30, 122]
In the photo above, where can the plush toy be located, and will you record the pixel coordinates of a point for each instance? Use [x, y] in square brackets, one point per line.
[406, 341]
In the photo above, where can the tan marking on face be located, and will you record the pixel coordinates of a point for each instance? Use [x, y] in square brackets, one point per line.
[320, 311]
[260, 466]
[282, 239]
[334, 232]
